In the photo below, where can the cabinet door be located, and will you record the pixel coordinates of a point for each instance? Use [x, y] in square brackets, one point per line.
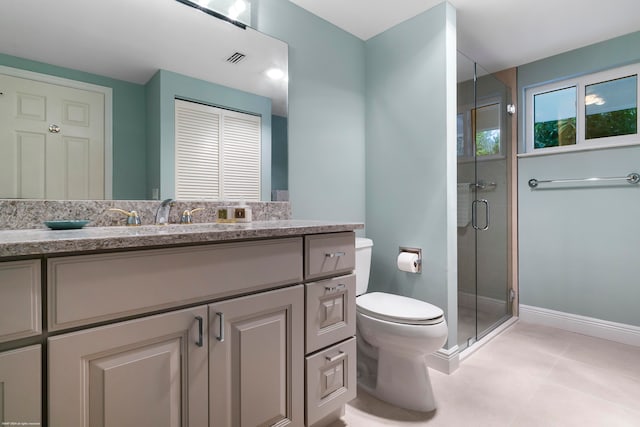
[150, 372]
[19, 299]
[256, 360]
[20, 386]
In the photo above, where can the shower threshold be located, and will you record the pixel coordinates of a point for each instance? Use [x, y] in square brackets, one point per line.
[499, 327]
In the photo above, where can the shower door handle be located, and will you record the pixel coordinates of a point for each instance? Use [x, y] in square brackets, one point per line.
[474, 214]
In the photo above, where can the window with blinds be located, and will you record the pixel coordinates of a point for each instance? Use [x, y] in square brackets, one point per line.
[217, 153]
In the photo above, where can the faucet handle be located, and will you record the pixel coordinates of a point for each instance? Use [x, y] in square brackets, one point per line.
[186, 215]
[132, 217]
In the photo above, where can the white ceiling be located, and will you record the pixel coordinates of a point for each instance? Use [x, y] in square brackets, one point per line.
[139, 40]
[498, 34]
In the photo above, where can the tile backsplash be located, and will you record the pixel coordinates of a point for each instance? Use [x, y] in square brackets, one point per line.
[23, 214]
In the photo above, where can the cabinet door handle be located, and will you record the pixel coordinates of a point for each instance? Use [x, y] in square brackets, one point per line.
[220, 336]
[199, 341]
[336, 357]
[335, 288]
[334, 254]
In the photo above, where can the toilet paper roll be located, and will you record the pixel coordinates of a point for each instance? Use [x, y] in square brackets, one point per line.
[408, 261]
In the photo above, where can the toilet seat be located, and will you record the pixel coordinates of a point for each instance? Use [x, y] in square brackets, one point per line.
[399, 309]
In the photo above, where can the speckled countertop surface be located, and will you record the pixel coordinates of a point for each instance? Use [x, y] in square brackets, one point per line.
[44, 242]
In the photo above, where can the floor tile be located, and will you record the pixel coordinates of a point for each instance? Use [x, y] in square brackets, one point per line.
[603, 383]
[527, 376]
[625, 359]
[557, 405]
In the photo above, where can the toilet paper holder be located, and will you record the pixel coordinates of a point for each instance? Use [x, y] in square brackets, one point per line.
[417, 251]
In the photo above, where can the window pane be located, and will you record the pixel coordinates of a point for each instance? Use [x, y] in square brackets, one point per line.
[488, 130]
[554, 122]
[611, 108]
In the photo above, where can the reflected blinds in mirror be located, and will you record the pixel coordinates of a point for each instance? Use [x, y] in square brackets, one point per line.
[197, 151]
[217, 153]
[241, 156]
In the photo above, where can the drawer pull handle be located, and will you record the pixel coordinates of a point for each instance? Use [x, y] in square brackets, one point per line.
[335, 254]
[335, 288]
[220, 336]
[340, 355]
[199, 341]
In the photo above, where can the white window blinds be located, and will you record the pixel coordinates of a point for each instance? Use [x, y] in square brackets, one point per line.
[217, 153]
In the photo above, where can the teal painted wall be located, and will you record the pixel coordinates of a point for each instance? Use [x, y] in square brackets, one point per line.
[578, 246]
[129, 127]
[173, 85]
[279, 156]
[411, 157]
[153, 98]
[326, 112]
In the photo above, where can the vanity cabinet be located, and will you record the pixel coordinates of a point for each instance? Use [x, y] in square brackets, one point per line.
[256, 332]
[149, 372]
[20, 386]
[256, 373]
[330, 344]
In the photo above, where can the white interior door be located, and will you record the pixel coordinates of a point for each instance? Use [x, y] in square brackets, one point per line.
[52, 140]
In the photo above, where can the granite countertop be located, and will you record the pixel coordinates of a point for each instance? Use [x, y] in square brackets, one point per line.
[44, 242]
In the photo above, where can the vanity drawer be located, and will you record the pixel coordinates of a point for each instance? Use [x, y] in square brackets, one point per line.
[330, 311]
[331, 380]
[19, 299]
[86, 289]
[329, 254]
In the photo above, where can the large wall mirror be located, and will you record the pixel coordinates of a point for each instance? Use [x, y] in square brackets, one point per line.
[123, 64]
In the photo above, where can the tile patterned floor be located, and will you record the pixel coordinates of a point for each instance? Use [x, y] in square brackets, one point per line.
[528, 376]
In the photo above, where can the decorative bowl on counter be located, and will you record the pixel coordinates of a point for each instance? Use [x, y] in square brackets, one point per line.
[70, 224]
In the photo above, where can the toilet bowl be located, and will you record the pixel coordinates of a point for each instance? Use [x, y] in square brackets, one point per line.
[395, 334]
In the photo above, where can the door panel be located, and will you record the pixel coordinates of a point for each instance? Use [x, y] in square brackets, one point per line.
[150, 372]
[20, 386]
[484, 150]
[59, 119]
[266, 346]
[493, 137]
[119, 386]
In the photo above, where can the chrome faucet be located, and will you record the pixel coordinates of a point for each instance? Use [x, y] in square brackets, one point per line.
[162, 214]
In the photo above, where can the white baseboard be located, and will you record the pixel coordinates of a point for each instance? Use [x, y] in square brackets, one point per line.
[612, 331]
[445, 360]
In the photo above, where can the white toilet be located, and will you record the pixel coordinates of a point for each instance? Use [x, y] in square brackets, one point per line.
[395, 334]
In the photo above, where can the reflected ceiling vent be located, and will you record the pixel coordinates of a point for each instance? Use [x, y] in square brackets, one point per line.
[236, 57]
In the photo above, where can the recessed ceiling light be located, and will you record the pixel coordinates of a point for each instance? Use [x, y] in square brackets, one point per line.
[237, 9]
[275, 74]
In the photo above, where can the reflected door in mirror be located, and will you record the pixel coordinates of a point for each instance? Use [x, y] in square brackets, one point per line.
[51, 141]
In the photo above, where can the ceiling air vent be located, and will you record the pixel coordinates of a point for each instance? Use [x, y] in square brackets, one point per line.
[236, 57]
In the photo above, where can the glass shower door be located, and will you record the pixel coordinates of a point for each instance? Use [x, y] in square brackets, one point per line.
[491, 131]
[484, 150]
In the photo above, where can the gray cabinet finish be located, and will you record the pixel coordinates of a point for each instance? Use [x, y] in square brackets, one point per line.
[20, 386]
[90, 288]
[239, 334]
[19, 299]
[150, 372]
[256, 373]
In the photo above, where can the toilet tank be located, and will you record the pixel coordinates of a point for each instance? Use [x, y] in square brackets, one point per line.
[363, 264]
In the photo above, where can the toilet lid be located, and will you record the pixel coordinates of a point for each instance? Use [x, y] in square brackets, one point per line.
[398, 309]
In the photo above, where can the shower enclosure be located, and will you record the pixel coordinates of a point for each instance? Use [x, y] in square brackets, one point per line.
[484, 145]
